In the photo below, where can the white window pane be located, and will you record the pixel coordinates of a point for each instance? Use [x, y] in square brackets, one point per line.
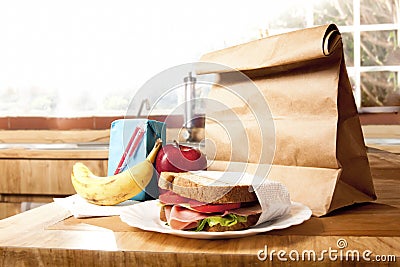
[380, 89]
[333, 11]
[380, 48]
[378, 11]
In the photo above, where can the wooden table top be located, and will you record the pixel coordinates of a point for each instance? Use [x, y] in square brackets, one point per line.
[48, 236]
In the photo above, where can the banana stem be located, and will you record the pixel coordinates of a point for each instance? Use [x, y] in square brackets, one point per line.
[153, 153]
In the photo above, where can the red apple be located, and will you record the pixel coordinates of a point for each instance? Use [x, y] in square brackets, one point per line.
[179, 158]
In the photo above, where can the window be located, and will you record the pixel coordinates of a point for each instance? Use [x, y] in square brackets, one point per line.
[370, 32]
[376, 55]
[88, 58]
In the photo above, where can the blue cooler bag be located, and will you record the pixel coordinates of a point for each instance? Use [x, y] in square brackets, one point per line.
[121, 133]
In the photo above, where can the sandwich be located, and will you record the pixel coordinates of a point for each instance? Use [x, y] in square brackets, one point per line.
[195, 201]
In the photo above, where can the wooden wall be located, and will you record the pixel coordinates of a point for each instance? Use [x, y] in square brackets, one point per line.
[36, 176]
[31, 176]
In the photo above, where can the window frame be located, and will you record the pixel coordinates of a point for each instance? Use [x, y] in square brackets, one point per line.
[356, 70]
[357, 28]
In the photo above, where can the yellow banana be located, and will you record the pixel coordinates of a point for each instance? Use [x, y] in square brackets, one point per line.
[114, 189]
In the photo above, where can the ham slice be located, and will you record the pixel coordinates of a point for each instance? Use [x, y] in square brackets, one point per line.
[180, 218]
[245, 211]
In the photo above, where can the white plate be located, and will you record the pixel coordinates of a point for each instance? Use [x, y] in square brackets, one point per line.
[146, 216]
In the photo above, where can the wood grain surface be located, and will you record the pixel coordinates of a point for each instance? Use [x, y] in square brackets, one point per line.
[381, 133]
[54, 136]
[37, 175]
[41, 177]
[47, 236]
[53, 154]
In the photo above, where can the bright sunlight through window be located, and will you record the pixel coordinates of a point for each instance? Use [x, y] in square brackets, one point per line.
[80, 58]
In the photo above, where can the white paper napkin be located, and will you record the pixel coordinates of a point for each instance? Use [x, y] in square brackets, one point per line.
[80, 208]
[273, 196]
[274, 199]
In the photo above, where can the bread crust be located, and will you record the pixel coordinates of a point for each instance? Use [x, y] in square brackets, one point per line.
[205, 189]
[163, 217]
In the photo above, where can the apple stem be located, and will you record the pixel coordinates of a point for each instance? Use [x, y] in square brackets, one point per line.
[176, 143]
[153, 153]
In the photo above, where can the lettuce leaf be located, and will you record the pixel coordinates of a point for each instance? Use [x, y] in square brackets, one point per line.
[228, 220]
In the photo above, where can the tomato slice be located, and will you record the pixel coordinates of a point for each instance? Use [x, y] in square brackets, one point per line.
[172, 198]
[212, 208]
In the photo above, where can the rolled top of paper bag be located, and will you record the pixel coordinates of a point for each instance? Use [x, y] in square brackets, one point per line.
[277, 51]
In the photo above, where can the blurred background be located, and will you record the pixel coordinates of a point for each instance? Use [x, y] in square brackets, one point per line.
[88, 58]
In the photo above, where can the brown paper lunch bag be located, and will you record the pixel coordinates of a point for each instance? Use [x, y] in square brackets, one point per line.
[320, 153]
